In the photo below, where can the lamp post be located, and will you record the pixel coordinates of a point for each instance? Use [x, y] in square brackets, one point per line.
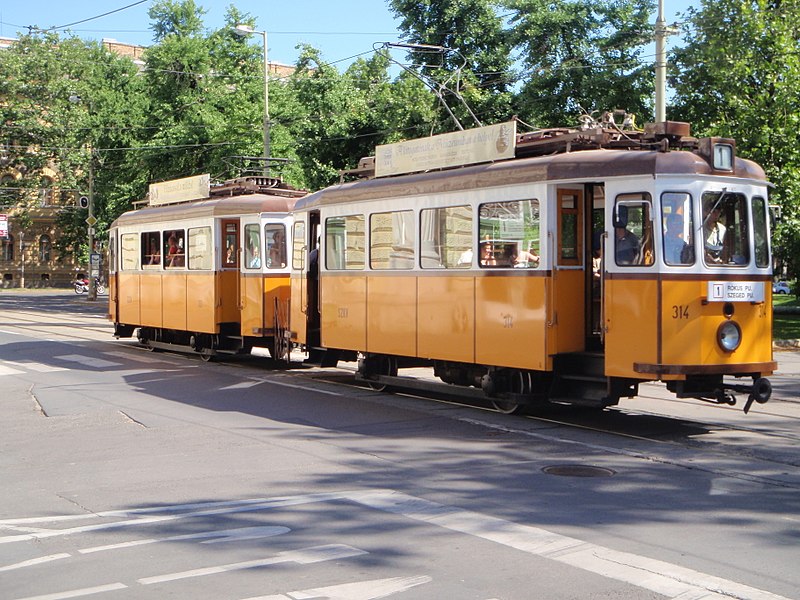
[243, 31]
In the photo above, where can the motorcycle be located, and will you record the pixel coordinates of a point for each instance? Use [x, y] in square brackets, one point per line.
[82, 286]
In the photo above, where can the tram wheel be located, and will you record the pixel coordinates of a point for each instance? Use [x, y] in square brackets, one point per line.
[521, 383]
[207, 355]
[384, 365]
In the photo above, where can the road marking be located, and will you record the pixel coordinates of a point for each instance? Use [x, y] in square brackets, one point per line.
[4, 370]
[135, 357]
[78, 593]
[301, 387]
[34, 366]
[305, 556]
[88, 361]
[670, 580]
[362, 590]
[34, 561]
[242, 385]
[211, 537]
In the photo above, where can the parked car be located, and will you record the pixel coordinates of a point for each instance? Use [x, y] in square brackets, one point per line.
[781, 287]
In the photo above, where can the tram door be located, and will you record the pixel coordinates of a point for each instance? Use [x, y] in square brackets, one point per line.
[304, 305]
[251, 290]
[568, 314]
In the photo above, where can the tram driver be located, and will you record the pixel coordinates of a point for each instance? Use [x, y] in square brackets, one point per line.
[714, 233]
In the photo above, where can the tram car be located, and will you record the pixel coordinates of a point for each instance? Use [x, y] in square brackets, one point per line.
[564, 266]
[204, 269]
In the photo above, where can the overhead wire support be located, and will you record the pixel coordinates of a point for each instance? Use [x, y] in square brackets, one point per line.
[440, 88]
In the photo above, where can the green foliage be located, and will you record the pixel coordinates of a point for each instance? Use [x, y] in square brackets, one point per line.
[738, 77]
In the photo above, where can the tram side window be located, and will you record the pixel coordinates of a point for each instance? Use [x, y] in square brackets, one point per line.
[725, 229]
[201, 252]
[760, 231]
[298, 246]
[275, 239]
[230, 257]
[678, 228]
[345, 243]
[509, 234]
[633, 230]
[151, 249]
[174, 249]
[445, 235]
[129, 252]
[391, 240]
[252, 246]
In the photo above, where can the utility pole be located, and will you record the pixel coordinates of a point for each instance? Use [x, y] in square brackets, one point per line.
[245, 30]
[22, 259]
[91, 221]
[661, 65]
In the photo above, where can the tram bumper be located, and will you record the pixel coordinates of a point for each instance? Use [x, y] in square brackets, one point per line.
[715, 389]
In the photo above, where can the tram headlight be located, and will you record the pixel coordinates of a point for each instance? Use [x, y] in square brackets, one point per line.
[729, 336]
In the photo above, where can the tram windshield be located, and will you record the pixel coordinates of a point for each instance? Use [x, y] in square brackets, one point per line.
[724, 229]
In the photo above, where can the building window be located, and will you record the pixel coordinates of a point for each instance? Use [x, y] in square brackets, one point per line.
[8, 248]
[44, 248]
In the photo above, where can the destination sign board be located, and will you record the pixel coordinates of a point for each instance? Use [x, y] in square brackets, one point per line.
[4, 226]
[735, 291]
[472, 146]
[180, 190]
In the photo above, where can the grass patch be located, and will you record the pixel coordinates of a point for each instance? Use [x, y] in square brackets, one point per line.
[786, 327]
[785, 300]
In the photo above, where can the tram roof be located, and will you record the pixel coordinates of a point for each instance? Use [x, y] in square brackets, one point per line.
[599, 164]
[212, 207]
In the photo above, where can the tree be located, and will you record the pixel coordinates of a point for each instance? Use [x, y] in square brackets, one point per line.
[582, 55]
[478, 63]
[738, 77]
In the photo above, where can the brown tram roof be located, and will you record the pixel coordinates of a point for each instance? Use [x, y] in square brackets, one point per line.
[583, 164]
[212, 207]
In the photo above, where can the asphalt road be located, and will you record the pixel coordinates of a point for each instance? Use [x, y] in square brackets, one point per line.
[131, 474]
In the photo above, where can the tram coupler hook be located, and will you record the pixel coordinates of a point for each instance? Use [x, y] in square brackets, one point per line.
[724, 397]
[761, 393]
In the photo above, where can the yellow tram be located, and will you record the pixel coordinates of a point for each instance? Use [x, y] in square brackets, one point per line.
[205, 271]
[564, 265]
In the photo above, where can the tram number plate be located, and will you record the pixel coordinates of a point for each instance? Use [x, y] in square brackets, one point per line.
[736, 291]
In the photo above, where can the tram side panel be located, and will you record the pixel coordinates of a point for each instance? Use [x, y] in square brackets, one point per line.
[446, 329]
[344, 310]
[510, 322]
[150, 300]
[253, 305]
[129, 298]
[631, 325]
[201, 310]
[392, 315]
[173, 305]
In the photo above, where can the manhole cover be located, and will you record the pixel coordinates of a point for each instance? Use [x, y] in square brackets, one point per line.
[578, 471]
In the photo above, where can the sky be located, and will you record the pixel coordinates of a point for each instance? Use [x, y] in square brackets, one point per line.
[340, 29]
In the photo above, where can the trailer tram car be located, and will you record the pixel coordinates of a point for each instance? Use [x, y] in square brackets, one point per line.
[574, 267]
[209, 276]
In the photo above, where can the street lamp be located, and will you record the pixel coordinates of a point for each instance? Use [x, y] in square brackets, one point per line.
[244, 31]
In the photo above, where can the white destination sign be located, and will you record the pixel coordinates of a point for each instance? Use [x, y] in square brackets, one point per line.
[736, 291]
[180, 190]
[472, 146]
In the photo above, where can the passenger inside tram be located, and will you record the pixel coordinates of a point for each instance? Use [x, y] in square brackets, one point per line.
[714, 233]
[676, 250]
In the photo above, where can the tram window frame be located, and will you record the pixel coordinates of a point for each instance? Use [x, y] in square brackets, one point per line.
[151, 260]
[345, 243]
[445, 234]
[200, 249]
[503, 240]
[299, 246]
[640, 206]
[735, 250]
[112, 253]
[761, 231]
[391, 240]
[230, 249]
[252, 242]
[130, 260]
[174, 260]
[275, 249]
[680, 204]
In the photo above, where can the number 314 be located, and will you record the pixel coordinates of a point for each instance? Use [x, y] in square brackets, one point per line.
[680, 311]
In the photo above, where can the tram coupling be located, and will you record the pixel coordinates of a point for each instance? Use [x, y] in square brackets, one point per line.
[760, 391]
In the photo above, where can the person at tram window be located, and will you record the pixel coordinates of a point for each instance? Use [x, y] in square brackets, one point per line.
[714, 232]
[526, 259]
[487, 255]
[626, 246]
[174, 256]
[255, 258]
[154, 255]
[675, 249]
[277, 251]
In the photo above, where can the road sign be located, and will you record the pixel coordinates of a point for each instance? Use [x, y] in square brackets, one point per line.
[91, 221]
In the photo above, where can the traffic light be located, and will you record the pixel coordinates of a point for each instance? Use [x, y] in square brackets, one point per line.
[84, 202]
